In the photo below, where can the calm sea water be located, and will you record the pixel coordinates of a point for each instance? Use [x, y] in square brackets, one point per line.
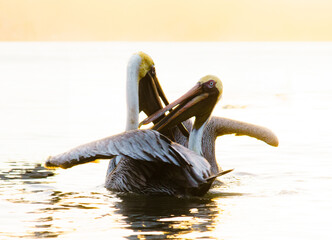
[54, 96]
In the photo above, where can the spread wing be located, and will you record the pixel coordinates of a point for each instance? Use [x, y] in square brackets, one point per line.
[225, 126]
[146, 145]
[138, 145]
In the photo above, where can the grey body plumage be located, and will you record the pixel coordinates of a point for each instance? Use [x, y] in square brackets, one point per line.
[151, 164]
[145, 161]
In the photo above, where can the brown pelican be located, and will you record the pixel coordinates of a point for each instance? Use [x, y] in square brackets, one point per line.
[152, 163]
[144, 93]
[143, 89]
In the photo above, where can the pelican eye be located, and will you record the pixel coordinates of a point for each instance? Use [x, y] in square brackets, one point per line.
[211, 83]
[153, 70]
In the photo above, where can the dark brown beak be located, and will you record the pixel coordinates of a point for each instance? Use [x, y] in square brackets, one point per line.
[150, 96]
[186, 107]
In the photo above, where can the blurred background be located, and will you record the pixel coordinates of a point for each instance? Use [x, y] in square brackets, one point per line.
[172, 20]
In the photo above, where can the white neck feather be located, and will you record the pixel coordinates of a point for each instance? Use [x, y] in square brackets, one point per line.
[195, 139]
[132, 92]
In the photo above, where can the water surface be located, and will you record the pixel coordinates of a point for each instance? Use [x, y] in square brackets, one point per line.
[54, 96]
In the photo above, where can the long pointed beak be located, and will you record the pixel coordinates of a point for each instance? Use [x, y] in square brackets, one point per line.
[158, 88]
[184, 110]
[155, 91]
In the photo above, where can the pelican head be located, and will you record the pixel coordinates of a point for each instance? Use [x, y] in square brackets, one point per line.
[198, 102]
[144, 92]
[146, 65]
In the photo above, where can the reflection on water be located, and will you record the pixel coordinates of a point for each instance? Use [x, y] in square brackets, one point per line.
[167, 216]
[36, 172]
[54, 96]
[49, 213]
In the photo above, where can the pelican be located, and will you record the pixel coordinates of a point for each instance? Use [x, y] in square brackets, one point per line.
[144, 93]
[143, 90]
[152, 163]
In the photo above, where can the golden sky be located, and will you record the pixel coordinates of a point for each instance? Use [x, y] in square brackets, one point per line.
[171, 20]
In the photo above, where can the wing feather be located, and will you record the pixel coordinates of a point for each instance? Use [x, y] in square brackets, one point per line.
[225, 126]
[146, 145]
[198, 168]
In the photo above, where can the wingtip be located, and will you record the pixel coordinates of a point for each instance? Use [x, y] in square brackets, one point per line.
[225, 172]
[219, 174]
[276, 143]
[49, 165]
[269, 137]
[273, 141]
